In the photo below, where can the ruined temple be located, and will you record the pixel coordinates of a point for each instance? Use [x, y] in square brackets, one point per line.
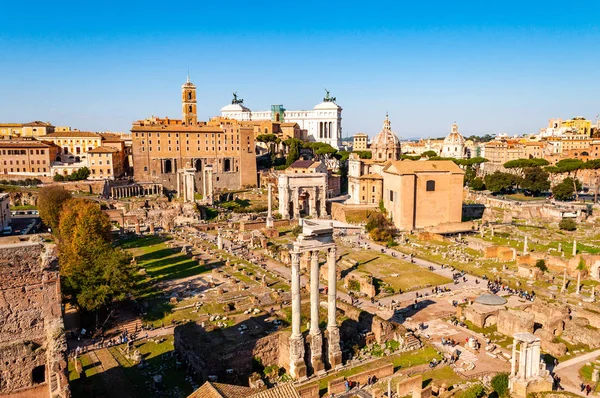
[32, 339]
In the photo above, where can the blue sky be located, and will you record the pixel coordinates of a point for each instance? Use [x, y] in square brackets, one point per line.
[490, 66]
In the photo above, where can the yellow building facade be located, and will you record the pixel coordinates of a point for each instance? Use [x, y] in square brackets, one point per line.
[579, 125]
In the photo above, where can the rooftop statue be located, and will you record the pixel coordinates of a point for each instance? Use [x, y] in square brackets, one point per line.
[235, 99]
[328, 98]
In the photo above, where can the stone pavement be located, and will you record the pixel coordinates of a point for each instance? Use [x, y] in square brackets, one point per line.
[569, 371]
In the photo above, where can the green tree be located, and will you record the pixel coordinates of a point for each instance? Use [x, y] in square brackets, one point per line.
[429, 154]
[594, 166]
[58, 178]
[50, 203]
[499, 384]
[567, 224]
[294, 146]
[477, 184]
[541, 264]
[475, 391]
[79, 174]
[500, 182]
[380, 228]
[363, 154]
[564, 190]
[93, 272]
[536, 180]
[569, 167]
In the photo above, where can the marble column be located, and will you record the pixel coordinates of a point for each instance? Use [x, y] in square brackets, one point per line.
[574, 247]
[522, 359]
[219, 240]
[525, 246]
[535, 359]
[270, 207]
[296, 203]
[316, 339]
[284, 202]
[578, 282]
[333, 340]
[322, 198]
[513, 360]
[312, 200]
[564, 285]
[530, 361]
[297, 365]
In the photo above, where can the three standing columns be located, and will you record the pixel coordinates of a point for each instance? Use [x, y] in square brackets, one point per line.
[315, 336]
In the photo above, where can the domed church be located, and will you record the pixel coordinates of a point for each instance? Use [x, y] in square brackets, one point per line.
[454, 144]
[386, 145]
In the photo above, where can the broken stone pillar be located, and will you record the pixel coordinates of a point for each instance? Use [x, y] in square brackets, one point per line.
[492, 231]
[297, 365]
[270, 210]
[481, 232]
[574, 247]
[316, 339]
[137, 228]
[595, 375]
[578, 283]
[152, 228]
[525, 246]
[560, 247]
[219, 240]
[335, 354]
[564, 285]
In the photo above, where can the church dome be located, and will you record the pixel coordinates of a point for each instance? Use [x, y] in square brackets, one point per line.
[454, 138]
[386, 137]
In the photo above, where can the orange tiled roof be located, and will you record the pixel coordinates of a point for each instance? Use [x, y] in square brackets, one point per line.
[73, 134]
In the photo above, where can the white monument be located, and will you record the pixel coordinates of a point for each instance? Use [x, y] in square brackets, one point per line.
[308, 190]
[323, 123]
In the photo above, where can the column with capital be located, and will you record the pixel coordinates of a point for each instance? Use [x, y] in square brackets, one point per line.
[535, 359]
[333, 332]
[316, 338]
[297, 365]
[284, 198]
[312, 203]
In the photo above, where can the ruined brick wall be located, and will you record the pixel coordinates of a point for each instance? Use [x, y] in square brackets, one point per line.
[512, 321]
[32, 341]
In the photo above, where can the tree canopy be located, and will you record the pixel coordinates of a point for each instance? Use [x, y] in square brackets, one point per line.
[364, 154]
[525, 163]
[50, 203]
[93, 272]
[564, 190]
[535, 180]
[501, 182]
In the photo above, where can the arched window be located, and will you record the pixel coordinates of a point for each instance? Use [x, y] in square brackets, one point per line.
[189, 95]
[430, 186]
[190, 109]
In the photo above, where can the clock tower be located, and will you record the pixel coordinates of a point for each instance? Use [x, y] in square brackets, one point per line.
[188, 102]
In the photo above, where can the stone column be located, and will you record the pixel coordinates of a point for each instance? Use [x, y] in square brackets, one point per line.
[179, 190]
[297, 366]
[530, 362]
[316, 339]
[522, 359]
[574, 247]
[270, 210]
[578, 282]
[295, 199]
[535, 358]
[219, 240]
[322, 198]
[335, 354]
[312, 203]
[564, 285]
[525, 248]
[209, 185]
[284, 201]
[513, 360]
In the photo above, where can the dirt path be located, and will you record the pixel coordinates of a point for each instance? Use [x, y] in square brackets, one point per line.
[113, 376]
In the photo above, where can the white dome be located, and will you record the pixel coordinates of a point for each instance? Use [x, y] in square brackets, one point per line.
[454, 138]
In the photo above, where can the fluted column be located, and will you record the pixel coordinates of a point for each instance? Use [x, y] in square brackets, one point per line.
[513, 361]
[296, 200]
[270, 207]
[522, 359]
[333, 338]
[297, 366]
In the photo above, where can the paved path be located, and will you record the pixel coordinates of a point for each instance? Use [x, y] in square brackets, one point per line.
[569, 371]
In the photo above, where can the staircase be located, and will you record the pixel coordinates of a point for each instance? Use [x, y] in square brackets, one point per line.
[411, 342]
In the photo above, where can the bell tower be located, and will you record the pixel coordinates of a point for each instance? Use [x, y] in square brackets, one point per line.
[188, 103]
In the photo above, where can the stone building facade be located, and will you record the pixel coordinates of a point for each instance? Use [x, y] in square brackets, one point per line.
[161, 147]
[27, 158]
[365, 182]
[32, 340]
[303, 190]
[420, 194]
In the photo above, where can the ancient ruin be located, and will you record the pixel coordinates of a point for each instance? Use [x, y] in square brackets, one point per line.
[529, 375]
[302, 194]
[32, 339]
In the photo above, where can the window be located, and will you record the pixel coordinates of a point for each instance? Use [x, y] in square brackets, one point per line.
[391, 195]
[430, 186]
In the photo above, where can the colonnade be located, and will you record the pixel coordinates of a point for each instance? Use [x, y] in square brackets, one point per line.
[315, 337]
[525, 365]
[135, 190]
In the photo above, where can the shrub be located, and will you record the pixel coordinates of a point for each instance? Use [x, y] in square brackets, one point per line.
[58, 177]
[354, 285]
[475, 391]
[500, 383]
[567, 224]
[541, 264]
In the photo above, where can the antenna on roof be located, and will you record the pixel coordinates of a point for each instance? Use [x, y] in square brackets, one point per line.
[188, 75]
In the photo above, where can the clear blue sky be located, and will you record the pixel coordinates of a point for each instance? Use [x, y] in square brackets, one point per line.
[499, 66]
